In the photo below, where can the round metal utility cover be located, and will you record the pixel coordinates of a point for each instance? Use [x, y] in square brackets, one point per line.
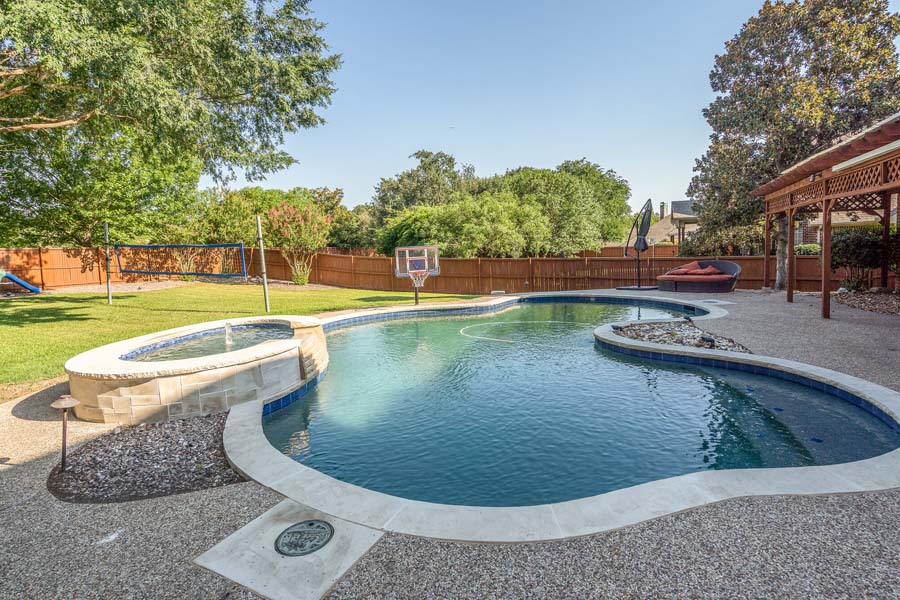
[304, 538]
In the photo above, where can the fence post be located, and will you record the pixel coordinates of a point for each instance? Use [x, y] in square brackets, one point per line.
[41, 268]
[352, 273]
[480, 284]
[530, 274]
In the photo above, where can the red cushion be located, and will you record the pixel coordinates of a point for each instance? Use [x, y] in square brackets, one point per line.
[694, 278]
[710, 270]
[689, 267]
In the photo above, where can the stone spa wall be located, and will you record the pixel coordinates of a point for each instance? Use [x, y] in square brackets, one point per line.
[114, 390]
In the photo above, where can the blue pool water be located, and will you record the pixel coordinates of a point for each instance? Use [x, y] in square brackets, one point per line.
[211, 341]
[520, 408]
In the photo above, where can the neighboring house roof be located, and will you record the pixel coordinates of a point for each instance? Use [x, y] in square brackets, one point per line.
[666, 228]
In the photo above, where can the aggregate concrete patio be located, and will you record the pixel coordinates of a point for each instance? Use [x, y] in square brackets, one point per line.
[812, 546]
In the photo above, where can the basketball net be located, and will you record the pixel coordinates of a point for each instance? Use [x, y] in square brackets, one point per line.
[418, 278]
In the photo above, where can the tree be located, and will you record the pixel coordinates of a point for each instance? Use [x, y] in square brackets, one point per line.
[583, 212]
[489, 225]
[231, 215]
[221, 79]
[353, 228]
[799, 74]
[429, 183]
[58, 187]
[298, 233]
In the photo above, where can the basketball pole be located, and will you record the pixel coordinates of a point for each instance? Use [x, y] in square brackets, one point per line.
[106, 243]
[415, 287]
[262, 261]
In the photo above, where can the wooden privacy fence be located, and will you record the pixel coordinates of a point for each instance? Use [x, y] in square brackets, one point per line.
[50, 268]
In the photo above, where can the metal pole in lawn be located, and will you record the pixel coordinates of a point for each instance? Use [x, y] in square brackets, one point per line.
[262, 260]
[106, 242]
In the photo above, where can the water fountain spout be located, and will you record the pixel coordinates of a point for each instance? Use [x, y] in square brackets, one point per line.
[229, 340]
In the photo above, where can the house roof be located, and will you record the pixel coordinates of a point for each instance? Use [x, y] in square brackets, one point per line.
[849, 147]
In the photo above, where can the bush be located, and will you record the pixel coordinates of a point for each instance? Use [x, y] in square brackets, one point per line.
[808, 250]
[858, 250]
[299, 233]
[744, 240]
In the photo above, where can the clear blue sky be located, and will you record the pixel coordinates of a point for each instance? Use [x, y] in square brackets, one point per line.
[501, 84]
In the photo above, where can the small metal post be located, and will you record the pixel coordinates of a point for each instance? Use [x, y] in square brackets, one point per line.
[106, 242]
[262, 260]
[64, 403]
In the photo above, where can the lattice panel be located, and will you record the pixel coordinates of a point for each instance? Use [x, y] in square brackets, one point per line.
[856, 180]
[864, 202]
[810, 192]
[780, 203]
[892, 167]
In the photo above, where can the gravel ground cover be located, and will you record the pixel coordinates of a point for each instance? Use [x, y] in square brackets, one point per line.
[146, 461]
[880, 302]
[682, 334]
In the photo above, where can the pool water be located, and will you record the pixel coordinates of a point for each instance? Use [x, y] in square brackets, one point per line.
[211, 341]
[520, 408]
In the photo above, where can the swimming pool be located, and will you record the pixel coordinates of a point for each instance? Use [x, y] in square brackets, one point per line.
[520, 407]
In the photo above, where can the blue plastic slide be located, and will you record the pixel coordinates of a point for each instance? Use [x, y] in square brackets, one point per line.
[24, 284]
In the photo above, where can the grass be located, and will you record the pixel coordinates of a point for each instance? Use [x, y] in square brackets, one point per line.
[39, 333]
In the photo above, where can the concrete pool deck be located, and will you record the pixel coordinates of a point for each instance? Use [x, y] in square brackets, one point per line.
[833, 545]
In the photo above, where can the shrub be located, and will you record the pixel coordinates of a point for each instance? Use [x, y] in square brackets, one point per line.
[858, 250]
[808, 250]
[299, 232]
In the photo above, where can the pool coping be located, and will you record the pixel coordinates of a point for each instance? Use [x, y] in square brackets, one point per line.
[251, 454]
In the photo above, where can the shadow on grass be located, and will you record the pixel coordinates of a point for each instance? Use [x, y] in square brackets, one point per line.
[36, 406]
[48, 309]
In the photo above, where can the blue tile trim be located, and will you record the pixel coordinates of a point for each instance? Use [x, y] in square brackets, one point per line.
[758, 370]
[293, 396]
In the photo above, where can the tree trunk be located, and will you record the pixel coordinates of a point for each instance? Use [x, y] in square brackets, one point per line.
[781, 253]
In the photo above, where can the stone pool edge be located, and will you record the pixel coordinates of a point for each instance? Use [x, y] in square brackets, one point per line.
[250, 453]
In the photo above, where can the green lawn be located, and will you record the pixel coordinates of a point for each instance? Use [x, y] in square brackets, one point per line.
[39, 333]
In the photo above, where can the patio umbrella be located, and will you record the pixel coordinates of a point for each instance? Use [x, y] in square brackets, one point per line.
[639, 230]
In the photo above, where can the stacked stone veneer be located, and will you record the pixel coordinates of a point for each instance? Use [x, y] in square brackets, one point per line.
[109, 399]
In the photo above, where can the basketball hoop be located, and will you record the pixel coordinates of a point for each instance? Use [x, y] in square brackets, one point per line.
[416, 263]
[418, 278]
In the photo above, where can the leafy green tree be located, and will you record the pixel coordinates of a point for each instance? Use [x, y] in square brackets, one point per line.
[799, 74]
[583, 212]
[231, 215]
[223, 80]
[299, 232]
[429, 183]
[58, 187]
[353, 228]
[490, 225]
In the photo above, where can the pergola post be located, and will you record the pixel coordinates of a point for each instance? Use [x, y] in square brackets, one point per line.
[791, 262]
[767, 249]
[827, 205]
[885, 236]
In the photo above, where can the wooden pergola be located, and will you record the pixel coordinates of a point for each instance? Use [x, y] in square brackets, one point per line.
[858, 174]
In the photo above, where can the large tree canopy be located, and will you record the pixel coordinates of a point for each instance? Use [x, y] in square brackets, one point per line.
[222, 79]
[524, 212]
[58, 188]
[800, 74]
